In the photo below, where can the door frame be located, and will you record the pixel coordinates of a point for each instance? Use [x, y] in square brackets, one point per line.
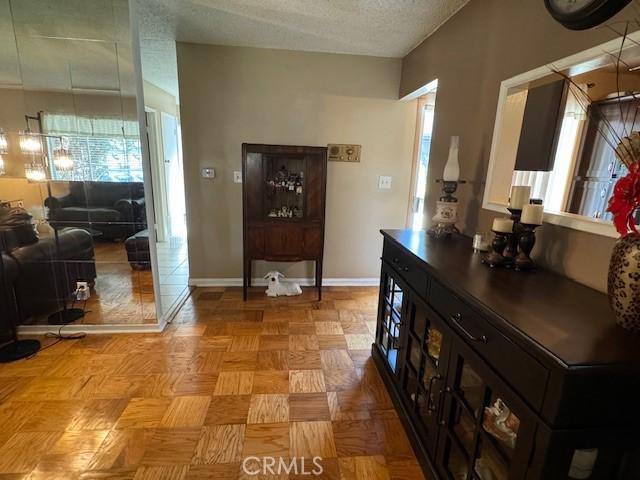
[157, 174]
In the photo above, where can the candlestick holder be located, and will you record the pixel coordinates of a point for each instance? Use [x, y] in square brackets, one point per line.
[526, 242]
[499, 244]
[511, 251]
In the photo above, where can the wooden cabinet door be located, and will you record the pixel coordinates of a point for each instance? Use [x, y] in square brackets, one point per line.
[315, 184]
[312, 243]
[255, 242]
[283, 242]
[487, 431]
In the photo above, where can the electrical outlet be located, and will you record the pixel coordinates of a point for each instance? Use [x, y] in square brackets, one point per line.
[82, 291]
[384, 182]
[237, 177]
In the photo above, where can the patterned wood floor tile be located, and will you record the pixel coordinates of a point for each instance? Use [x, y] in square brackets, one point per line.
[226, 380]
[308, 407]
[306, 381]
[328, 328]
[171, 446]
[364, 468]
[219, 444]
[332, 342]
[185, 412]
[245, 343]
[121, 449]
[273, 360]
[304, 360]
[336, 359]
[234, 383]
[22, 452]
[309, 439]
[356, 438]
[218, 471]
[303, 342]
[162, 472]
[266, 439]
[272, 408]
[239, 361]
[271, 381]
[143, 413]
[274, 342]
[227, 409]
[359, 341]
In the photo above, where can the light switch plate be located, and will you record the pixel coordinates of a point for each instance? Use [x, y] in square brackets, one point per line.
[384, 182]
[237, 177]
[208, 172]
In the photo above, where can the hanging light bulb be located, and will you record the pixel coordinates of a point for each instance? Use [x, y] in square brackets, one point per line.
[62, 158]
[35, 172]
[30, 143]
[2, 166]
[4, 144]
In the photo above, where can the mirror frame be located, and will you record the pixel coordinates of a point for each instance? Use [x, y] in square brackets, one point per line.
[564, 219]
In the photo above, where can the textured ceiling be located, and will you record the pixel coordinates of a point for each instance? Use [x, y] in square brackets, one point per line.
[386, 28]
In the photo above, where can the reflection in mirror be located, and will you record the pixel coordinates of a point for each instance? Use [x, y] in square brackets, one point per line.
[161, 101]
[557, 131]
[71, 183]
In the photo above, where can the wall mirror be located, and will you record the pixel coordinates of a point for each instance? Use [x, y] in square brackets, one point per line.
[556, 130]
[72, 159]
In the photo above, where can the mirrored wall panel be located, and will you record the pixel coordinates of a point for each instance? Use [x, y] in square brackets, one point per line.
[73, 214]
[161, 102]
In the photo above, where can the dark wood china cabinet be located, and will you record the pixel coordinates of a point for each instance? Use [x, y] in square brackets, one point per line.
[284, 190]
[500, 375]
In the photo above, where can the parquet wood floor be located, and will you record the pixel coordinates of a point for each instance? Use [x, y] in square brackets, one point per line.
[227, 380]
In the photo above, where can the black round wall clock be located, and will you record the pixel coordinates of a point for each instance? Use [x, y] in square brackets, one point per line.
[583, 14]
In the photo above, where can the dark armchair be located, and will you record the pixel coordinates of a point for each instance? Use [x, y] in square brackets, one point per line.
[115, 209]
[39, 275]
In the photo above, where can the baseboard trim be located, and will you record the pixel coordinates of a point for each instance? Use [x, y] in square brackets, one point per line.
[27, 330]
[303, 282]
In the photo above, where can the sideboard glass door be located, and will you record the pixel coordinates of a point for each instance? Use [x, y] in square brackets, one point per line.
[487, 432]
[425, 366]
[392, 304]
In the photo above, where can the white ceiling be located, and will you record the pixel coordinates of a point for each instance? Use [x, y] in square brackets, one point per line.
[386, 28]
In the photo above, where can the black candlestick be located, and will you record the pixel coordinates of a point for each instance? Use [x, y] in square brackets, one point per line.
[499, 244]
[511, 251]
[526, 242]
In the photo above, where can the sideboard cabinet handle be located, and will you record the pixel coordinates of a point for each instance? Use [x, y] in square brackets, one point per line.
[457, 321]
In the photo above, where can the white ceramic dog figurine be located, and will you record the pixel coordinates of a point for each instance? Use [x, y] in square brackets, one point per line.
[277, 288]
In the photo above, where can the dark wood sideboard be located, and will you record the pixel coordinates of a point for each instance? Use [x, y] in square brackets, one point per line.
[289, 177]
[501, 375]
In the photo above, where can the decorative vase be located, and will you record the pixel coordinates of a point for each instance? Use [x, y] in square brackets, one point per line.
[624, 282]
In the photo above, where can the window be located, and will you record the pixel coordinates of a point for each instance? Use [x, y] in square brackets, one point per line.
[424, 126]
[102, 149]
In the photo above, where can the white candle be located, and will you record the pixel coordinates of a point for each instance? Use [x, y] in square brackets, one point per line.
[520, 195]
[532, 214]
[503, 225]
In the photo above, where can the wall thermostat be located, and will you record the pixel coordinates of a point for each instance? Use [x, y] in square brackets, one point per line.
[344, 152]
[208, 172]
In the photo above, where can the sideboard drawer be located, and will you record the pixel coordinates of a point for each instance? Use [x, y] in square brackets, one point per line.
[407, 267]
[519, 368]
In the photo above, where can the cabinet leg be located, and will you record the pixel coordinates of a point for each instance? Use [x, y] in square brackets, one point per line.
[246, 271]
[319, 278]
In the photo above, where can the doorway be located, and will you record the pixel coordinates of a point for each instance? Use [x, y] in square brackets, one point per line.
[422, 149]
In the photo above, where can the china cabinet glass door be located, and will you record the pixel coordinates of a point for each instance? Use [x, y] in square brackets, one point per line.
[425, 363]
[392, 303]
[487, 432]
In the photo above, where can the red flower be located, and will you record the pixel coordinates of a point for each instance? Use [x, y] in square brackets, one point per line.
[626, 201]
